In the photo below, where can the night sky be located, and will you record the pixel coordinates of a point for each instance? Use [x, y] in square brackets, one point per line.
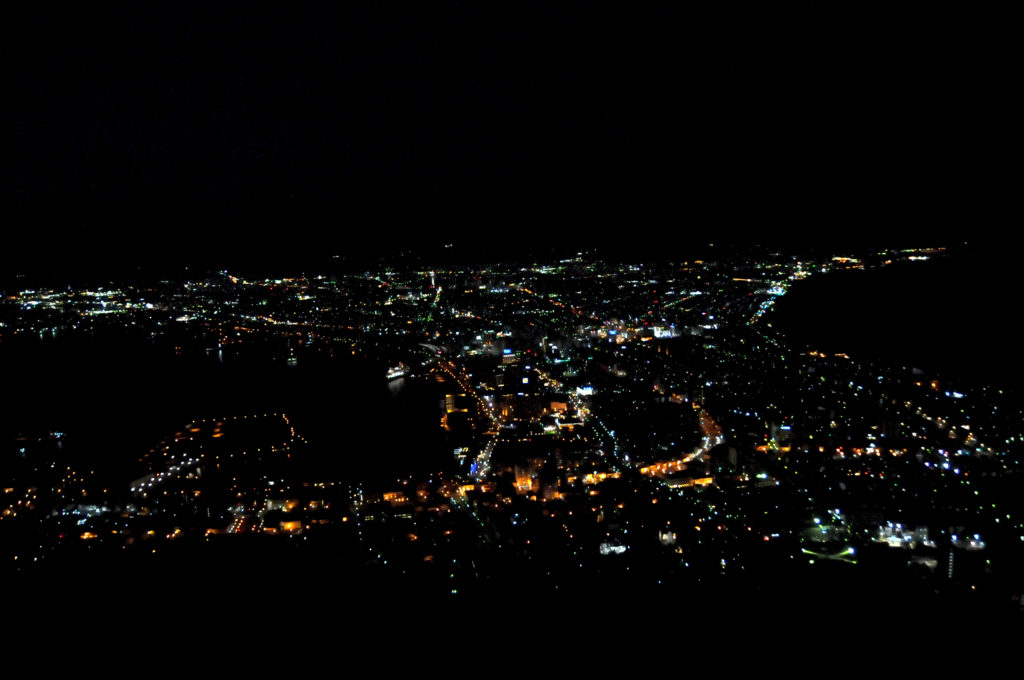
[156, 133]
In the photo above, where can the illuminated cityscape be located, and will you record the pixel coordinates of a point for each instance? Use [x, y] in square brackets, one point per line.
[539, 428]
[581, 331]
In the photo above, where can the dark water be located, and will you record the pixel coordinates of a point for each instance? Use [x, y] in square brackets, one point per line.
[954, 316]
[117, 396]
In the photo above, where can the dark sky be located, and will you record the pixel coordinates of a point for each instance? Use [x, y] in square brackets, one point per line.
[153, 131]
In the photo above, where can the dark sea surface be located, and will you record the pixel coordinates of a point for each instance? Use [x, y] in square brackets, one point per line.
[115, 397]
[955, 315]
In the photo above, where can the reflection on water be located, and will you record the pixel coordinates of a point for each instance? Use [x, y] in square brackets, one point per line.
[396, 385]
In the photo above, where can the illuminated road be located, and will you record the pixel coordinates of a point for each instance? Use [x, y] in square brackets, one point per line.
[483, 460]
[712, 435]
